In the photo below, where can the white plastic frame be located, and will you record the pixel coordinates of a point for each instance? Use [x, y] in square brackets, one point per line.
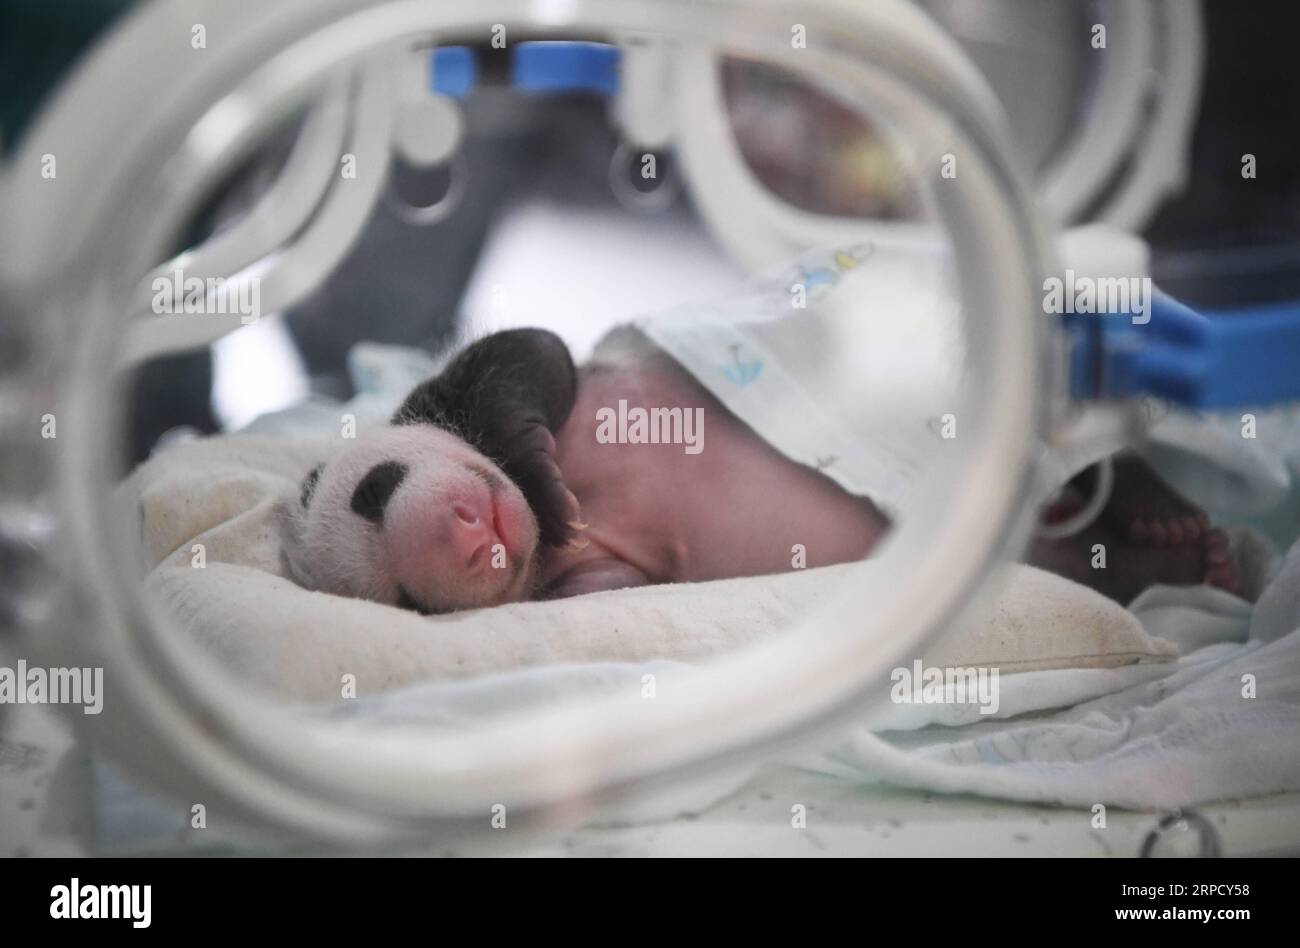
[184, 724]
[1116, 166]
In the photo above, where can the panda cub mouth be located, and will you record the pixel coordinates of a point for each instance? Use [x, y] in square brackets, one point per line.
[497, 527]
[508, 527]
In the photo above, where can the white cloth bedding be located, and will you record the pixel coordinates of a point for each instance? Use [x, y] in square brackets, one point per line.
[1149, 734]
[1153, 735]
[208, 520]
[1194, 732]
[845, 361]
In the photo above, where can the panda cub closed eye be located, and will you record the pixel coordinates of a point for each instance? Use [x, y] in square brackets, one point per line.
[372, 494]
[446, 508]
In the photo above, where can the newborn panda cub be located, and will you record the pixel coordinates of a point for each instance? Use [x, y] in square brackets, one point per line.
[491, 486]
[445, 508]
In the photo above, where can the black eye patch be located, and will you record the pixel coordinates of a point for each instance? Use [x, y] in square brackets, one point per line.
[309, 484]
[372, 494]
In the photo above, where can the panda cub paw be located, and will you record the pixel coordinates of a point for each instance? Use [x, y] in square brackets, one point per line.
[529, 460]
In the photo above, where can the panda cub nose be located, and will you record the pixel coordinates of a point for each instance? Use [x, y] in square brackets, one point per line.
[472, 533]
[371, 496]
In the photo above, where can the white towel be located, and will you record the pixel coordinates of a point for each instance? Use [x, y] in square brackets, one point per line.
[1221, 723]
[1150, 736]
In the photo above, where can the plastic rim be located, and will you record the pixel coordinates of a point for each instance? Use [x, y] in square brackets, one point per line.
[247, 753]
[639, 202]
[1130, 148]
[426, 215]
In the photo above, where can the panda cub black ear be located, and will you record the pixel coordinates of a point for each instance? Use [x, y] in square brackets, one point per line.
[309, 484]
[506, 395]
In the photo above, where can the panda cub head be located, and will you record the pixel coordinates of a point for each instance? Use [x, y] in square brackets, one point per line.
[448, 507]
[414, 517]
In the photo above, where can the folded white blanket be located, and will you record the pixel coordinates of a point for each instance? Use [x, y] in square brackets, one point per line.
[1221, 723]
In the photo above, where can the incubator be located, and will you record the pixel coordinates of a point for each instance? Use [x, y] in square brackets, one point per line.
[968, 289]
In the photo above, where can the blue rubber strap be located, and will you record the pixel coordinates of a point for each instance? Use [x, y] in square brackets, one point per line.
[566, 67]
[453, 71]
[1223, 358]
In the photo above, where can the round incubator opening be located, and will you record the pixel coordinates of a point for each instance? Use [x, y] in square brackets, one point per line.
[521, 489]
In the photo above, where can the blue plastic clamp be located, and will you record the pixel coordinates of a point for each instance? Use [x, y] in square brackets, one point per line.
[453, 71]
[1221, 358]
[555, 66]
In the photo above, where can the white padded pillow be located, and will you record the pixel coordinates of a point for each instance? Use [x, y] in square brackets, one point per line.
[219, 492]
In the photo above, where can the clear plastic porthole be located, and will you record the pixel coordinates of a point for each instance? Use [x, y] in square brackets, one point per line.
[433, 418]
